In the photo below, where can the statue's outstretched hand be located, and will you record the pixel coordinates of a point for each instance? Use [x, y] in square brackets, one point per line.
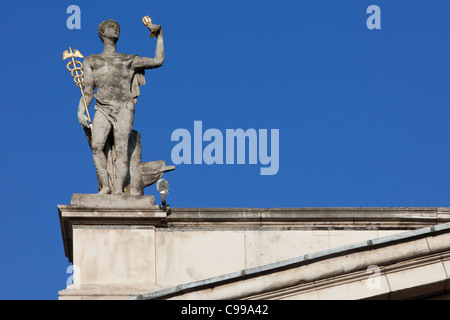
[83, 119]
[155, 29]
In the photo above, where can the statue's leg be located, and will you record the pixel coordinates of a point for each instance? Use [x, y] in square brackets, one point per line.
[135, 156]
[122, 130]
[100, 132]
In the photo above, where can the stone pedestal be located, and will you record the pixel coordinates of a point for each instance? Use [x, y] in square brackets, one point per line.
[111, 242]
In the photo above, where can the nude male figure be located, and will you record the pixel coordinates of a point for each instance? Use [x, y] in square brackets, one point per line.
[114, 76]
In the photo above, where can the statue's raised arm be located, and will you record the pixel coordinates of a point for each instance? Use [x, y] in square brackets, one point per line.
[158, 60]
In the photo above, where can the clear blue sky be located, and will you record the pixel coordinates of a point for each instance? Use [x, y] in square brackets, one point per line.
[363, 114]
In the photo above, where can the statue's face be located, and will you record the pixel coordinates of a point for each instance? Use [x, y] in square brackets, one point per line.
[111, 31]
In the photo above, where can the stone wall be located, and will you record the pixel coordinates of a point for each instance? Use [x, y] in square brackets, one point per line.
[129, 251]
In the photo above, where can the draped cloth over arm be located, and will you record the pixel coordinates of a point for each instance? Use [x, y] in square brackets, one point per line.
[138, 80]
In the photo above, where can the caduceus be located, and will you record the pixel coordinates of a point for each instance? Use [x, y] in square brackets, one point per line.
[76, 70]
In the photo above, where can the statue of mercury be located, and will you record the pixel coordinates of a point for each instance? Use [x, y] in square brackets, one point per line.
[117, 78]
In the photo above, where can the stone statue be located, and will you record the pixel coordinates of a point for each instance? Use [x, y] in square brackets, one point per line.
[115, 146]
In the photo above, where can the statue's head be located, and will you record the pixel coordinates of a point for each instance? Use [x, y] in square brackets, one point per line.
[109, 29]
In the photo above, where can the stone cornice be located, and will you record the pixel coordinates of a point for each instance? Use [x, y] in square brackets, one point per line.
[308, 218]
[167, 219]
[71, 216]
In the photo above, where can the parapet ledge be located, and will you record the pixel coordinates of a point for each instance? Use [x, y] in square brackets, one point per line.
[108, 210]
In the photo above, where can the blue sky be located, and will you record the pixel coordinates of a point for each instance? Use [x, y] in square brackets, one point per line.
[363, 114]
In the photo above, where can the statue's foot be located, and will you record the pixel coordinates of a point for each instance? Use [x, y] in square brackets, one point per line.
[105, 190]
[117, 193]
